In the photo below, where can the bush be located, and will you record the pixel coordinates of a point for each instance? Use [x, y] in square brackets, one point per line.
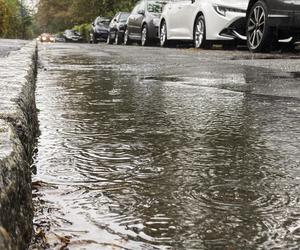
[4, 18]
[84, 30]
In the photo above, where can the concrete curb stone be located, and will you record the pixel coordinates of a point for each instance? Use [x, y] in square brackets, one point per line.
[18, 130]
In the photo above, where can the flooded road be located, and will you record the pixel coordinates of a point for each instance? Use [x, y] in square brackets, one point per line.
[149, 148]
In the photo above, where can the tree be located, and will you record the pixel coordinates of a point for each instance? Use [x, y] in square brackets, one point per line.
[57, 15]
[53, 15]
[4, 18]
[15, 19]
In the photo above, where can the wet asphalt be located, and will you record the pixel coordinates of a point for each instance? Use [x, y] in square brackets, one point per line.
[8, 45]
[167, 148]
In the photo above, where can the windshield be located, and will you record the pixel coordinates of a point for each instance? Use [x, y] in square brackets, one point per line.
[102, 22]
[155, 6]
[123, 17]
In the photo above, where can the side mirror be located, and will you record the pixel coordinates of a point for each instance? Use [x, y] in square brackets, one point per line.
[93, 24]
[141, 12]
[193, 1]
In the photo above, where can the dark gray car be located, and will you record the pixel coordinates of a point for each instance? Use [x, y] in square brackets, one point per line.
[271, 20]
[143, 22]
[99, 30]
[117, 28]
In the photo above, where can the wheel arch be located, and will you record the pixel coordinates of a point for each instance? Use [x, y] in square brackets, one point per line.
[252, 2]
[144, 23]
[200, 13]
[163, 20]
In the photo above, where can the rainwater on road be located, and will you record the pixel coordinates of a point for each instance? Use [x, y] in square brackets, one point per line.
[150, 148]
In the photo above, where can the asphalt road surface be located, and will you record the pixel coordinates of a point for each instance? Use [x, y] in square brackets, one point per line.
[152, 148]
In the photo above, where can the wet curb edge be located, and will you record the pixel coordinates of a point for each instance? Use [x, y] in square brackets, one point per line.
[18, 131]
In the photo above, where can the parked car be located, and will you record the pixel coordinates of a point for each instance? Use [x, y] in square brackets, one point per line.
[99, 30]
[46, 38]
[203, 21]
[117, 28]
[143, 22]
[59, 38]
[271, 20]
[72, 36]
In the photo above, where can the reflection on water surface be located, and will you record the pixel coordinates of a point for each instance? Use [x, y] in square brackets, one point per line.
[140, 159]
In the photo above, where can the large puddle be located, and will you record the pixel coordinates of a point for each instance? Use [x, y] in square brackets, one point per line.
[134, 159]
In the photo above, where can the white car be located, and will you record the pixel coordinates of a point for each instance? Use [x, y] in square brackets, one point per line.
[203, 21]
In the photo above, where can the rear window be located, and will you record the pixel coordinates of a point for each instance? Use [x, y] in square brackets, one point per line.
[155, 6]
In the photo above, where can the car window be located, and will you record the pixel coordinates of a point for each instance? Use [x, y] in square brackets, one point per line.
[123, 17]
[155, 6]
[101, 21]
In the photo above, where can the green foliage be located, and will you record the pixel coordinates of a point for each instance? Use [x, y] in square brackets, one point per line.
[84, 30]
[58, 15]
[4, 17]
[15, 19]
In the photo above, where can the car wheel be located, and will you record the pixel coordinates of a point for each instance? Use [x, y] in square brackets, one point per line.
[94, 39]
[200, 34]
[144, 36]
[259, 35]
[117, 38]
[109, 40]
[163, 37]
[126, 38]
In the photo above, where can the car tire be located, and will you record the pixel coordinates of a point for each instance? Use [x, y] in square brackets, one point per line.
[127, 40]
[259, 34]
[145, 41]
[94, 39]
[109, 40]
[163, 35]
[200, 34]
[117, 38]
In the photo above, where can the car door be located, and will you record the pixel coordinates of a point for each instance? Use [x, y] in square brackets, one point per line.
[131, 20]
[140, 15]
[186, 15]
[297, 13]
[173, 21]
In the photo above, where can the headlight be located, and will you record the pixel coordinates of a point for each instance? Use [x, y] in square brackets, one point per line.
[222, 10]
[52, 39]
[44, 38]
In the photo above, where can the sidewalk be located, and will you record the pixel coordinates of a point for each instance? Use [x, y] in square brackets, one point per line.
[8, 45]
[18, 127]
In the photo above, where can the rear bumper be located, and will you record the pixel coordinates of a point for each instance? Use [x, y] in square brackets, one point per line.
[101, 35]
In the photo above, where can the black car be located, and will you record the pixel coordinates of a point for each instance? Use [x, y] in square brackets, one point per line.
[117, 28]
[72, 36]
[269, 21]
[143, 22]
[99, 30]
